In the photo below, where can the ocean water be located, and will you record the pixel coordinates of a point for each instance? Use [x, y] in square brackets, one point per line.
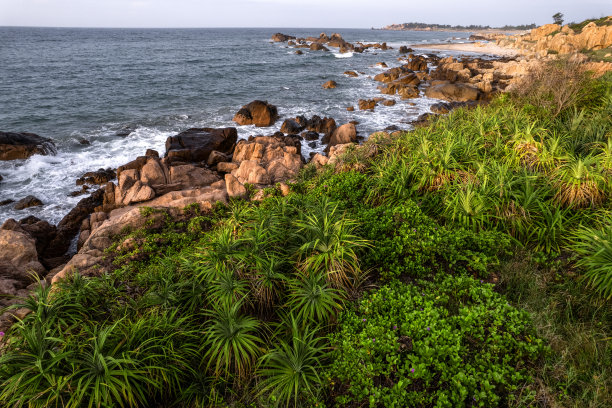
[68, 84]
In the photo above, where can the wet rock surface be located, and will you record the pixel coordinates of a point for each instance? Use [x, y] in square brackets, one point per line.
[14, 145]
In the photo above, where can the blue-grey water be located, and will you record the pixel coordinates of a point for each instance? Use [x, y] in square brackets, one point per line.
[68, 84]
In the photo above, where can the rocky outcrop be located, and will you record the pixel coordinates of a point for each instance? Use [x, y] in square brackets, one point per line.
[98, 177]
[196, 145]
[258, 113]
[15, 146]
[267, 160]
[279, 37]
[455, 92]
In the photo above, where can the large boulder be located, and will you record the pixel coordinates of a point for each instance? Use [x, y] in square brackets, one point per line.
[342, 135]
[258, 113]
[18, 256]
[321, 125]
[23, 145]
[457, 92]
[196, 144]
[27, 202]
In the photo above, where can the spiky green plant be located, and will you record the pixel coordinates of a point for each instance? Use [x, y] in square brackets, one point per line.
[312, 299]
[594, 246]
[290, 369]
[232, 345]
[579, 183]
[329, 245]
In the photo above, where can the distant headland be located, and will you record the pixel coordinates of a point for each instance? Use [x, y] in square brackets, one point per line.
[447, 27]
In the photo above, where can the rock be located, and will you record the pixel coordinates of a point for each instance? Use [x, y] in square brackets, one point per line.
[154, 172]
[310, 135]
[6, 202]
[189, 176]
[325, 125]
[227, 167]
[329, 84]
[408, 92]
[195, 145]
[367, 104]
[83, 141]
[152, 153]
[319, 160]
[125, 131]
[405, 50]
[312, 145]
[69, 226]
[27, 202]
[299, 52]
[216, 157]
[318, 47]
[418, 63]
[234, 187]
[18, 256]
[258, 113]
[337, 151]
[381, 65]
[343, 134]
[22, 145]
[351, 74]
[279, 37]
[291, 127]
[388, 102]
[350, 108]
[267, 159]
[99, 177]
[453, 92]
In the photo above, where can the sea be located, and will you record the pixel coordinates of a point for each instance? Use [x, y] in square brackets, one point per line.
[75, 84]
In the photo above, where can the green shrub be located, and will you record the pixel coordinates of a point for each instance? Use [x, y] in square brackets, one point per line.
[449, 343]
[410, 243]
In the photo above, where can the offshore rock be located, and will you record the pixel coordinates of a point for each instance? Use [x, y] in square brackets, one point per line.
[22, 145]
[258, 113]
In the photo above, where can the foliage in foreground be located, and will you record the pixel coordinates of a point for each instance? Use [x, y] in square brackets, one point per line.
[447, 343]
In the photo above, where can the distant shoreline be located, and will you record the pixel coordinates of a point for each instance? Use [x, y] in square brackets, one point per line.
[476, 47]
[458, 30]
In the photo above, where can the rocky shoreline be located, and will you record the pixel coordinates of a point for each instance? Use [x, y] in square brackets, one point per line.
[205, 166]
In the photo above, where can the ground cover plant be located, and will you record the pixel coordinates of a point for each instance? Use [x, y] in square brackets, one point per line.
[494, 221]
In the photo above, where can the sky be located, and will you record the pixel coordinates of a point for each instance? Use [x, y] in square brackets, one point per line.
[291, 13]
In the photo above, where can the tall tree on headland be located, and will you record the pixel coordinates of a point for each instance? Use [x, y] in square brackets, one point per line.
[558, 18]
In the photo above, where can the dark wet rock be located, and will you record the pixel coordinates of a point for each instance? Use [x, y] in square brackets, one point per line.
[83, 141]
[125, 131]
[98, 177]
[392, 128]
[310, 135]
[351, 74]
[299, 52]
[195, 145]
[312, 145]
[405, 50]
[325, 125]
[27, 202]
[292, 127]
[69, 226]
[442, 108]
[22, 145]
[84, 190]
[6, 202]
[258, 113]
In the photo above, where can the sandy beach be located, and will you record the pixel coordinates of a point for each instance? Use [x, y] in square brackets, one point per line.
[477, 47]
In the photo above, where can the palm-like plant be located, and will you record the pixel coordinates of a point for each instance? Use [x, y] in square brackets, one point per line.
[311, 298]
[267, 281]
[468, 206]
[221, 252]
[594, 246]
[329, 245]
[232, 345]
[228, 288]
[105, 376]
[290, 370]
[579, 183]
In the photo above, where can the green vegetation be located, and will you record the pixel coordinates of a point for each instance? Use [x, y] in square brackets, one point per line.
[472, 27]
[558, 18]
[466, 263]
[602, 21]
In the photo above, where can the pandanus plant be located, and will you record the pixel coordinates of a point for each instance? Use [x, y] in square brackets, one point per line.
[578, 183]
[329, 245]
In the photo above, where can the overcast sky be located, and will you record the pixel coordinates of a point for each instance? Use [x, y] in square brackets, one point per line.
[290, 13]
